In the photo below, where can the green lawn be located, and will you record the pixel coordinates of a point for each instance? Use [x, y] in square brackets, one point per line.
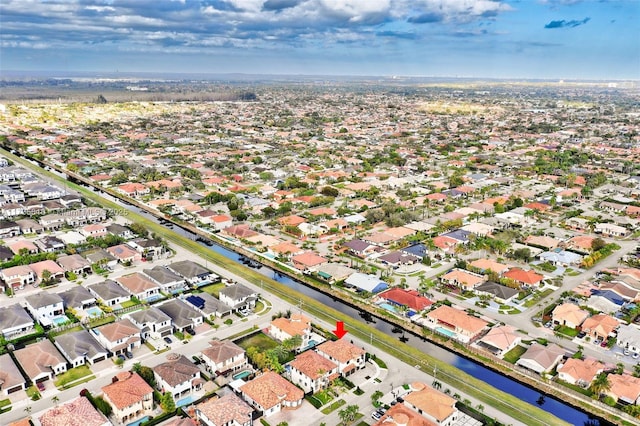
[567, 331]
[323, 396]
[258, 340]
[514, 354]
[32, 392]
[213, 289]
[333, 407]
[129, 303]
[535, 299]
[101, 321]
[3, 404]
[72, 375]
[69, 330]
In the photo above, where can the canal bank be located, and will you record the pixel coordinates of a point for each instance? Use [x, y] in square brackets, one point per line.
[505, 401]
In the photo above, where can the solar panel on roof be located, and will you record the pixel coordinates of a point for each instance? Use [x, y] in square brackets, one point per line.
[196, 301]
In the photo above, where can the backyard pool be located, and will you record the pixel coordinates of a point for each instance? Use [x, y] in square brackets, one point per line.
[139, 421]
[154, 298]
[389, 307]
[241, 375]
[60, 320]
[446, 332]
[94, 311]
[184, 401]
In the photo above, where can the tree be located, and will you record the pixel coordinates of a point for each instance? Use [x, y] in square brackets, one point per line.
[55, 400]
[597, 244]
[46, 277]
[167, 403]
[28, 409]
[292, 343]
[375, 398]
[145, 372]
[348, 414]
[600, 385]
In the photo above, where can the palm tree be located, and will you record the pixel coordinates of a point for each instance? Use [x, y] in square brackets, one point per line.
[348, 414]
[28, 409]
[600, 385]
[436, 385]
[55, 400]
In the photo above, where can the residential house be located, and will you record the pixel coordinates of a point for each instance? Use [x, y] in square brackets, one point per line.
[486, 265]
[312, 372]
[464, 279]
[130, 397]
[500, 340]
[569, 315]
[77, 412]
[101, 258]
[118, 337]
[178, 376]
[110, 293]
[308, 262]
[398, 258]
[80, 348]
[611, 230]
[296, 325]
[152, 322]
[348, 356]
[524, 278]
[195, 274]
[223, 357]
[169, 281]
[226, 410]
[140, 286]
[238, 296]
[148, 247]
[501, 293]
[71, 200]
[432, 404]
[208, 305]
[366, 282]
[39, 268]
[600, 326]
[9, 229]
[541, 359]
[400, 415]
[94, 230]
[41, 361]
[15, 321]
[17, 277]
[561, 258]
[124, 253]
[12, 209]
[455, 323]
[43, 191]
[406, 299]
[74, 263]
[542, 241]
[6, 254]
[624, 388]
[220, 221]
[52, 221]
[183, 316]
[11, 379]
[580, 372]
[270, 393]
[360, 248]
[133, 189]
[629, 338]
[120, 231]
[45, 307]
[335, 272]
[23, 246]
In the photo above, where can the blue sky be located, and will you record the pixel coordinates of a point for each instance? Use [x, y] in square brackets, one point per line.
[557, 39]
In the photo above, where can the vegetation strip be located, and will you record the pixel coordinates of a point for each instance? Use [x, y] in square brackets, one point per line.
[466, 383]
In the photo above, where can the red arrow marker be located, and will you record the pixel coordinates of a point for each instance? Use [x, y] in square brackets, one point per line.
[340, 331]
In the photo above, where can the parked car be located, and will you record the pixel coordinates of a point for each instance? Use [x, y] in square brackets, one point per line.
[128, 354]
[604, 343]
[597, 342]
[168, 340]
[635, 355]
[40, 386]
[626, 352]
[548, 324]
[122, 357]
[581, 334]
[375, 415]
[244, 313]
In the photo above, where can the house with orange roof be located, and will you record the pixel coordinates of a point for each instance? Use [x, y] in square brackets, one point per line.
[285, 249]
[580, 372]
[308, 262]
[296, 325]
[291, 220]
[77, 412]
[580, 243]
[224, 357]
[139, 285]
[312, 372]
[124, 253]
[542, 241]
[600, 326]
[624, 388]
[239, 231]
[410, 299]
[455, 323]
[55, 270]
[500, 340]
[569, 315]
[270, 393]
[540, 207]
[220, 221]
[445, 244]
[348, 356]
[229, 409]
[522, 277]
[322, 211]
[432, 404]
[130, 397]
[133, 189]
[485, 265]
[400, 415]
[463, 279]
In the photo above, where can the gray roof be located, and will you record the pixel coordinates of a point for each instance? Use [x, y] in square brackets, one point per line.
[43, 299]
[188, 269]
[211, 304]
[79, 344]
[10, 376]
[162, 275]
[118, 229]
[99, 256]
[14, 315]
[181, 313]
[237, 291]
[76, 296]
[151, 315]
[498, 290]
[108, 290]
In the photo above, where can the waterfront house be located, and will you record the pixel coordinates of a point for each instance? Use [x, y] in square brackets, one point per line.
[624, 388]
[580, 372]
[500, 340]
[455, 323]
[541, 359]
[348, 356]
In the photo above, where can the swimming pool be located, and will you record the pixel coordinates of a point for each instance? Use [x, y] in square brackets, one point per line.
[446, 332]
[94, 311]
[241, 375]
[140, 421]
[389, 307]
[60, 319]
[184, 401]
[154, 298]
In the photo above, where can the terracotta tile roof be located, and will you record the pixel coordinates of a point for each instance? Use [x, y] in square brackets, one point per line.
[38, 358]
[601, 324]
[308, 259]
[527, 277]
[129, 389]
[341, 350]
[399, 415]
[625, 387]
[432, 402]
[582, 370]
[78, 412]
[409, 298]
[177, 370]
[312, 365]
[463, 278]
[296, 325]
[229, 409]
[501, 337]
[568, 312]
[136, 283]
[270, 388]
[458, 319]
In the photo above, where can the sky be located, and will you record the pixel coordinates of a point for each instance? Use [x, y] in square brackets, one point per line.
[547, 39]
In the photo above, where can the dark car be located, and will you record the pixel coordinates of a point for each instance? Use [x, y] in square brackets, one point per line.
[581, 334]
[122, 357]
[168, 340]
[604, 344]
[128, 354]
